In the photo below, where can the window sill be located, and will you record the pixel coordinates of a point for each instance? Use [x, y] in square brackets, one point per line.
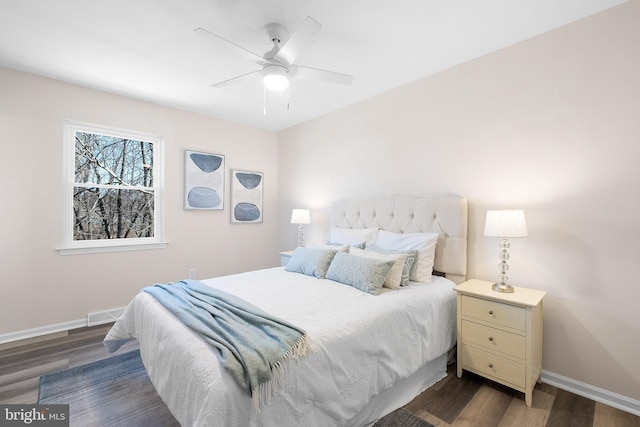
[112, 248]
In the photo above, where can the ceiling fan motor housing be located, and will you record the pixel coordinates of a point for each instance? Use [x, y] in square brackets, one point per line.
[276, 32]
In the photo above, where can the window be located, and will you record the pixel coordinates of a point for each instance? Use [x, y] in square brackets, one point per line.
[113, 189]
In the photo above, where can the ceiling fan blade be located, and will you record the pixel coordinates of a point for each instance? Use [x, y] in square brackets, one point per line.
[308, 73]
[238, 79]
[298, 41]
[231, 46]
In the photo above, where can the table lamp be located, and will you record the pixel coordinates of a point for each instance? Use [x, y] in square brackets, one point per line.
[504, 223]
[300, 217]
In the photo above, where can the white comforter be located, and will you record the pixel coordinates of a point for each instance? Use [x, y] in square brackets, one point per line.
[363, 344]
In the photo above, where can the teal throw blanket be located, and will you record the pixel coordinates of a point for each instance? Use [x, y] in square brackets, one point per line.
[252, 344]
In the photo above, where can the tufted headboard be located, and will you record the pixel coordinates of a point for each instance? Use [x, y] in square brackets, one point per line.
[442, 214]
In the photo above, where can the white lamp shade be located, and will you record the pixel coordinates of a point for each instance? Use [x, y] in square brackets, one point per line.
[300, 216]
[507, 223]
[275, 77]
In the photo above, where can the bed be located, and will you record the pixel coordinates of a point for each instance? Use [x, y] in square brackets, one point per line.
[370, 353]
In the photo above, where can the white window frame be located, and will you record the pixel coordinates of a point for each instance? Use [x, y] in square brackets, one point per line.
[71, 246]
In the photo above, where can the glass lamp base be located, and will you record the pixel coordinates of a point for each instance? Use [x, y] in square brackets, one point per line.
[502, 287]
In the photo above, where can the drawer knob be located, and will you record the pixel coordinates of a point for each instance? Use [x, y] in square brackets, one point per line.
[491, 365]
[490, 338]
[490, 311]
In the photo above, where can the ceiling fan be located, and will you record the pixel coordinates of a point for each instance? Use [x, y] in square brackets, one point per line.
[277, 66]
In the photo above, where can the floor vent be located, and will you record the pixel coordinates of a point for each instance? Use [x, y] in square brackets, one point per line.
[102, 317]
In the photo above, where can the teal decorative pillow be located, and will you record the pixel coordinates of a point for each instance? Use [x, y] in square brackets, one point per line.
[311, 261]
[355, 245]
[365, 274]
[408, 262]
[394, 277]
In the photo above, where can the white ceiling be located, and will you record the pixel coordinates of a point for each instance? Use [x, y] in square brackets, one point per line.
[147, 49]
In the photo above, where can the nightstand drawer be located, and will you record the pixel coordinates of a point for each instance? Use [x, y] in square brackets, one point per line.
[494, 339]
[494, 366]
[494, 312]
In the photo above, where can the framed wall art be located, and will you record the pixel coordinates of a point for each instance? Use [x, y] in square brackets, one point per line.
[203, 180]
[246, 196]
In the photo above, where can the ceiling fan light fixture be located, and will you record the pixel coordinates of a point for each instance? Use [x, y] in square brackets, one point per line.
[276, 77]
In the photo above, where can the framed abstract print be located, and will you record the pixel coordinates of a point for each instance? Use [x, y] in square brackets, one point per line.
[203, 180]
[246, 196]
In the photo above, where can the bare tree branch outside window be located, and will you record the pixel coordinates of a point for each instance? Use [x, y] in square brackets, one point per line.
[113, 195]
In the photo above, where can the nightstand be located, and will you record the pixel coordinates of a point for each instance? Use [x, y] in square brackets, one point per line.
[285, 257]
[500, 334]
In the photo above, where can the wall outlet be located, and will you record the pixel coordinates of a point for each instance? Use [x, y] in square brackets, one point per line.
[192, 273]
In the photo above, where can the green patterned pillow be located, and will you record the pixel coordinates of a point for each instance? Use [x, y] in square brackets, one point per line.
[311, 261]
[365, 274]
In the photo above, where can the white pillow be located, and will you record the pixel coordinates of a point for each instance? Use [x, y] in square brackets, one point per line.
[394, 277]
[353, 236]
[424, 243]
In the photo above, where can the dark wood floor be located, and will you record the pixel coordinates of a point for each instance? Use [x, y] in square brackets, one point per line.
[466, 401]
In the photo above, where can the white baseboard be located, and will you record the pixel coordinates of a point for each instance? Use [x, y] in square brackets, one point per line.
[592, 392]
[44, 330]
[93, 319]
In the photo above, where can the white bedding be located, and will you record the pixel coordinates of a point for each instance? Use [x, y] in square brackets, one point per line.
[363, 345]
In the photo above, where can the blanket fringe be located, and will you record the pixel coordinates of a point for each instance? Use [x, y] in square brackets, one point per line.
[261, 395]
